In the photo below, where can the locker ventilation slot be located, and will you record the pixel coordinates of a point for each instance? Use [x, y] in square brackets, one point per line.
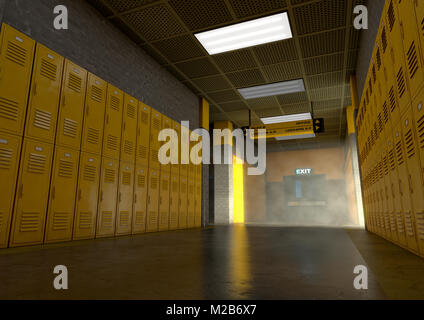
[124, 218]
[153, 219]
[421, 132]
[112, 142]
[156, 124]
[409, 143]
[16, 54]
[128, 147]
[93, 136]
[42, 119]
[131, 111]
[85, 220]
[385, 112]
[60, 221]
[400, 226]
[155, 156]
[48, 70]
[109, 176]
[399, 153]
[107, 219]
[412, 60]
[65, 169]
[90, 173]
[30, 222]
[384, 40]
[393, 101]
[139, 218]
[401, 83]
[74, 83]
[378, 55]
[374, 74]
[9, 109]
[70, 128]
[154, 183]
[391, 15]
[409, 226]
[380, 123]
[145, 117]
[141, 181]
[114, 103]
[420, 225]
[142, 152]
[37, 163]
[5, 158]
[96, 94]
[126, 178]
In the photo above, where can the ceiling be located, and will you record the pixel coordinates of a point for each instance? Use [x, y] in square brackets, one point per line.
[323, 52]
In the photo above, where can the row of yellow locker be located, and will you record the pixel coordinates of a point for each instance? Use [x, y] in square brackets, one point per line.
[63, 194]
[390, 126]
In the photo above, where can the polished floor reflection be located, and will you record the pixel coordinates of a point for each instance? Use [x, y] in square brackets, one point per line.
[217, 263]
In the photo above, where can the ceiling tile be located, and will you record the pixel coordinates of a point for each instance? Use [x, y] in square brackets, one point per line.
[235, 60]
[263, 103]
[124, 5]
[276, 52]
[224, 96]
[272, 112]
[233, 106]
[248, 78]
[211, 84]
[323, 43]
[202, 67]
[324, 64]
[292, 98]
[246, 8]
[283, 71]
[179, 48]
[326, 93]
[326, 80]
[296, 108]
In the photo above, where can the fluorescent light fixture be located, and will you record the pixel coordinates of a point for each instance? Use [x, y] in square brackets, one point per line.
[246, 34]
[273, 89]
[289, 118]
[300, 136]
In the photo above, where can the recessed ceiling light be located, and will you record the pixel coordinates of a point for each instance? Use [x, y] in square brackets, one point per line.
[246, 34]
[300, 136]
[289, 118]
[273, 89]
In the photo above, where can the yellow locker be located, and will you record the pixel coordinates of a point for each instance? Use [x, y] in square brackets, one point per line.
[198, 204]
[71, 107]
[155, 127]
[140, 200]
[16, 59]
[182, 216]
[411, 45]
[391, 166]
[95, 108]
[129, 130]
[175, 168]
[166, 124]
[10, 150]
[164, 201]
[153, 200]
[190, 202]
[113, 122]
[32, 194]
[60, 214]
[184, 136]
[174, 201]
[419, 11]
[108, 198]
[125, 198]
[44, 95]
[143, 134]
[87, 196]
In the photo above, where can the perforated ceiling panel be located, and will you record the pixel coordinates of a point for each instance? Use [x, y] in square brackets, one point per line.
[323, 52]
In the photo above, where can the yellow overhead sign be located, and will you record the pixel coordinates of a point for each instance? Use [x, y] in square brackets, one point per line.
[283, 129]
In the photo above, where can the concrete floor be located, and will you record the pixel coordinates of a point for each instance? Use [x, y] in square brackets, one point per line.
[217, 263]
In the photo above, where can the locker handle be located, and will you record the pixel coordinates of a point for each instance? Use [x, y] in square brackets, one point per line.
[79, 195]
[411, 189]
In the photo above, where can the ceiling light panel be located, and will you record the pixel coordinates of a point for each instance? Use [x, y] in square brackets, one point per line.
[273, 89]
[289, 118]
[246, 34]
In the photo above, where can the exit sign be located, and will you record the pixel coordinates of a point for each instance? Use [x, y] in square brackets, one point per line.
[303, 172]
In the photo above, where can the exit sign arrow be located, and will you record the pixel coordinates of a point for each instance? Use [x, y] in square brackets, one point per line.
[319, 125]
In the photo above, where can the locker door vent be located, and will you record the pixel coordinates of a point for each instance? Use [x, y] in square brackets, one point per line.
[385, 112]
[37, 163]
[70, 128]
[16, 54]
[421, 132]
[9, 109]
[154, 183]
[128, 147]
[109, 176]
[112, 142]
[144, 117]
[114, 103]
[391, 16]
[163, 218]
[422, 26]
[174, 187]
[48, 70]
[392, 163]
[126, 178]
[90, 173]
[374, 74]
[139, 218]
[399, 153]
[96, 94]
[93, 136]
[409, 143]
[85, 220]
[65, 169]
[74, 83]
[378, 56]
[400, 225]
[384, 39]
[155, 156]
[393, 101]
[42, 119]
[401, 83]
[153, 219]
[131, 111]
[142, 152]
[156, 124]
[165, 185]
[370, 86]
[60, 221]
[5, 158]
[124, 218]
[409, 226]
[380, 124]
[141, 181]
[420, 224]
[30, 222]
[107, 219]
[412, 60]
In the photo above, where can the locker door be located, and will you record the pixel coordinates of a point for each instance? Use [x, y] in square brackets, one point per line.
[164, 201]
[140, 200]
[166, 124]
[198, 204]
[153, 200]
[95, 108]
[71, 108]
[32, 194]
[390, 187]
[190, 202]
[411, 45]
[44, 95]
[174, 201]
[16, 59]
[143, 135]
[184, 136]
[113, 122]
[60, 214]
[419, 11]
[386, 195]
[108, 198]
[182, 216]
[125, 198]
[155, 127]
[175, 168]
[129, 130]
[415, 179]
[87, 196]
[10, 150]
